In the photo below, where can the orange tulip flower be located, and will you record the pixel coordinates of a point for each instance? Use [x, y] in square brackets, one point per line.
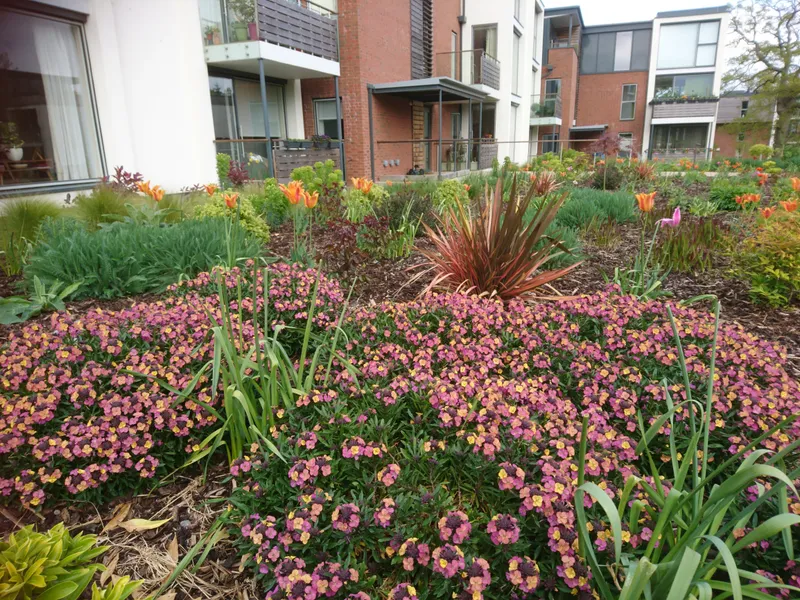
[646, 201]
[466, 187]
[310, 200]
[211, 189]
[745, 199]
[293, 191]
[157, 193]
[144, 187]
[230, 199]
[795, 183]
[767, 212]
[789, 205]
[389, 183]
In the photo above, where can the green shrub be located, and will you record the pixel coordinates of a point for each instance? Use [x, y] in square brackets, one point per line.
[760, 151]
[703, 207]
[770, 259]
[619, 206]
[358, 205]
[607, 177]
[406, 201]
[20, 221]
[223, 166]
[327, 180]
[123, 259]
[248, 217]
[578, 213]
[724, 190]
[450, 193]
[694, 177]
[570, 239]
[103, 205]
[692, 247]
[54, 565]
[271, 205]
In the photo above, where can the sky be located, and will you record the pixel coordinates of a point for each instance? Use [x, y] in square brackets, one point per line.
[601, 12]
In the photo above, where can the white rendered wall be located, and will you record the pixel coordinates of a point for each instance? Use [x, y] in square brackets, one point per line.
[501, 13]
[718, 68]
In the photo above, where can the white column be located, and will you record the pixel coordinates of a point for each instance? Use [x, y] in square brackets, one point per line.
[295, 124]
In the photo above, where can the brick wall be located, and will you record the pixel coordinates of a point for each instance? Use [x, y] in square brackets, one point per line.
[599, 103]
[564, 66]
[374, 47]
[726, 140]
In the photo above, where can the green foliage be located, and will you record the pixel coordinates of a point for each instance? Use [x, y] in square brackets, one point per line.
[692, 247]
[223, 166]
[694, 178]
[703, 207]
[20, 221]
[724, 190]
[246, 214]
[125, 259]
[357, 204]
[16, 309]
[319, 178]
[760, 151]
[53, 565]
[121, 589]
[578, 213]
[450, 194]
[694, 548]
[586, 206]
[770, 259]
[782, 189]
[407, 203]
[271, 205]
[608, 177]
[103, 205]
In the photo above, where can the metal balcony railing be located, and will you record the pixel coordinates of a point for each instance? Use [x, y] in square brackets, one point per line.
[545, 106]
[473, 67]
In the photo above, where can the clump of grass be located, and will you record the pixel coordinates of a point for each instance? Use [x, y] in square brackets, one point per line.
[20, 221]
[103, 205]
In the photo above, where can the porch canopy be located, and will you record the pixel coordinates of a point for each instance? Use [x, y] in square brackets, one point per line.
[427, 91]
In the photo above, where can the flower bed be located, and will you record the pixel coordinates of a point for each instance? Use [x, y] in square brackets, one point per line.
[74, 416]
[450, 469]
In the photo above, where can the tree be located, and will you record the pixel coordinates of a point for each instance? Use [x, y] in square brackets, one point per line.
[767, 36]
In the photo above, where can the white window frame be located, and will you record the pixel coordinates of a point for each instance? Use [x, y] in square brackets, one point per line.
[623, 102]
[317, 121]
[516, 59]
[626, 149]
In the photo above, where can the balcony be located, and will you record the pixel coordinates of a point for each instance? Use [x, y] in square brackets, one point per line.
[296, 40]
[545, 109]
[671, 105]
[473, 67]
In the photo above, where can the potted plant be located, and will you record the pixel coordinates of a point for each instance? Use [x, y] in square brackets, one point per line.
[294, 144]
[244, 27]
[11, 141]
[320, 141]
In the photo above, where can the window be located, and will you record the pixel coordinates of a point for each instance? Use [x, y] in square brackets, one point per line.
[679, 137]
[615, 51]
[518, 10]
[453, 55]
[514, 119]
[552, 90]
[626, 145]
[688, 45]
[325, 116]
[455, 125]
[515, 64]
[745, 106]
[698, 85]
[549, 143]
[46, 105]
[627, 110]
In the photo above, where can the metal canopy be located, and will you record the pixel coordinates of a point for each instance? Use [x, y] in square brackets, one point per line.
[428, 90]
[589, 128]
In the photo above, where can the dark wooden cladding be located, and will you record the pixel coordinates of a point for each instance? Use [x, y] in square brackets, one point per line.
[490, 71]
[421, 39]
[287, 161]
[285, 23]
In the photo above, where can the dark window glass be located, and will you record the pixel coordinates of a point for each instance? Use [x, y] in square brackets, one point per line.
[605, 52]
[589, 54]
[640, 61]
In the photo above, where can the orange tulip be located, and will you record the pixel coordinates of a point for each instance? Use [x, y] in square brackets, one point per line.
[466, 187]
[795, 183]
[230, 199]
[789, 205]
[389, 183]
[157, 193]
[745, 199]
[646, 201]
[767, 212]
[362, 183]
[211, 189]
[293, 191]
[310, 199]
[144, 187]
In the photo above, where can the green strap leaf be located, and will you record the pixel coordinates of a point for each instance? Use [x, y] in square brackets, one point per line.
[730, 565]
[686, 571]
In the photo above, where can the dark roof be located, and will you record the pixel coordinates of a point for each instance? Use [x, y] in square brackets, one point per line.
[694, 12]
[564, 10]
[427, 90]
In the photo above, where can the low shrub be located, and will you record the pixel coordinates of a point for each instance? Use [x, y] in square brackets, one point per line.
[364, 200]
[271, 204]
[770, 259]
[20, 221]
[125, 429]
[692, 247]
[246, 214]
[608, 177]
[54, 565]
[404, 200]
[618, 206]
[124, 259]
[103, 205]
[452, 468]
[327, 180]
[579, 212]
[724, 191]
[223, 166]
[702, 207]
[760, 151]
[450, 193]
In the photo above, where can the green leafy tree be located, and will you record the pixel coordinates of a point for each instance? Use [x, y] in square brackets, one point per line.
[766, 34]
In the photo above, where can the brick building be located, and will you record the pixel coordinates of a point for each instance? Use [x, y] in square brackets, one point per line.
[655, 83]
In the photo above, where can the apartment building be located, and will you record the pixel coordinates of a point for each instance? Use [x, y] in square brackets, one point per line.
[655, 83]
[742, 121]
[162, 87]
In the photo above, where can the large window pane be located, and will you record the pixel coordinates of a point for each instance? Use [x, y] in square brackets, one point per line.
[640, 61]
[45, 98]
[708, 32]
[706, 55]
[622, 55]
[515, 64]
[677, 46]
[589, 54]
[251, 112]
[605, 52]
